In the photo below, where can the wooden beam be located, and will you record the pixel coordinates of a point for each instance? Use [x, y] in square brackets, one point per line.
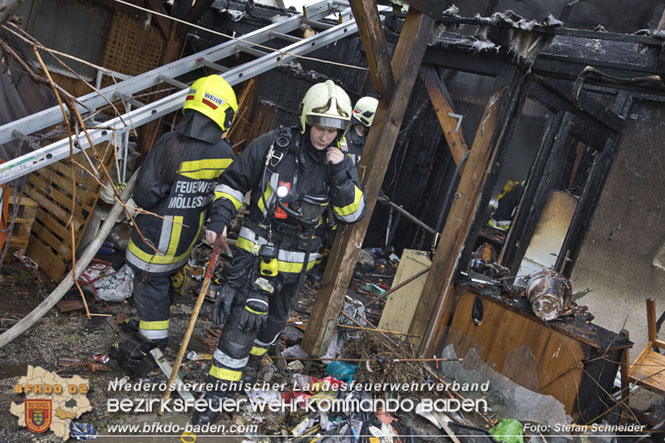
[378, 149]
[437, 92]
[163, 24]
[374, 40]
[661, 23]
[433, 8]
[435, 306]
[193, 15]
[150, 132]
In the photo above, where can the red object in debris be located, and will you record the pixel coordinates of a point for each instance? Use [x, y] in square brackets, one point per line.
[299, 397]
[98, 356]
[333, 381]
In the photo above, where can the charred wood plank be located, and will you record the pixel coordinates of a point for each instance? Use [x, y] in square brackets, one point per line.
[435, 305]
[163, 24]
[374, 40]
[193, 15]
[542, 178]
[433, 8]
[591, 116]
[590, 195]
[450, 126]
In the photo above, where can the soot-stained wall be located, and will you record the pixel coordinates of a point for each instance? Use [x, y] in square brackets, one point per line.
[628, 228]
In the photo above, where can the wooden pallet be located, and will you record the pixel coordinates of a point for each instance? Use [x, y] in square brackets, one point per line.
[25, 217]
[51, 188]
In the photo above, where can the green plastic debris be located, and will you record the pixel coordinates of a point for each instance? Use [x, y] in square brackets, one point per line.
[508, 430]
[374, 289]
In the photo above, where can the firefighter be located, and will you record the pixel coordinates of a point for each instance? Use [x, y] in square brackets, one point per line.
[363, 115]
[506, 205]
[176, 182]
[294, 175]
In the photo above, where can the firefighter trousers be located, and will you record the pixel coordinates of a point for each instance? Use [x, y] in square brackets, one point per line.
[153, 299]
[236, 345]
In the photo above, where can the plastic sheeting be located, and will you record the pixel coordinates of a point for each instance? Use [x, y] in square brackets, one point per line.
[506, 398]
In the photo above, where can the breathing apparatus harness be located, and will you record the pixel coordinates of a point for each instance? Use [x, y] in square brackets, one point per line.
[285, 202]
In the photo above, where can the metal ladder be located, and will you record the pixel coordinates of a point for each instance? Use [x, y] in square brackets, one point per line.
[140, 115]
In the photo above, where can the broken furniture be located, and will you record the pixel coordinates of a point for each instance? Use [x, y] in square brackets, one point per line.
[648, 369]
[572, 360]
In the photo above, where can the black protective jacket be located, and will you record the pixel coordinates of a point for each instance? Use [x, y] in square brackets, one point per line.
[355, 144]
[315, 187]
[181, 204]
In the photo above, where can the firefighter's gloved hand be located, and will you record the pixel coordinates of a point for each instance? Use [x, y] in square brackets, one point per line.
[255, 314]
[223, 302]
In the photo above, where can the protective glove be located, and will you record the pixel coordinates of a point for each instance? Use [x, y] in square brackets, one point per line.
[223, 302]
[255, 314]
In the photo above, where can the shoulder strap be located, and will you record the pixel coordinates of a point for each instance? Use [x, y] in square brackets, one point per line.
[280, 145]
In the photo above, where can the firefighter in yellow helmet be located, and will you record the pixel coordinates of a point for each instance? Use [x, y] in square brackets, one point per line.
[176, 181]
[294, 175]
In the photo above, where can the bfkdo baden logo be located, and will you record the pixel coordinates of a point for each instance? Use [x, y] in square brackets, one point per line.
[50, 402]
[38, 414]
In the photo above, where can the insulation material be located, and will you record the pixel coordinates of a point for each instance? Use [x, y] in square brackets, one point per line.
[525, 44]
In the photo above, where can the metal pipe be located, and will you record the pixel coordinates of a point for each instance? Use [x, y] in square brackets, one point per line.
[404, 212]
[399, 286]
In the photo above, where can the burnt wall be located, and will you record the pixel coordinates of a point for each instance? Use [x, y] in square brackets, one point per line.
[614, 15]
[628, 228]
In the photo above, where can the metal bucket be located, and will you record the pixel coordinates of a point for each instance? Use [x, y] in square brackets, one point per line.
[549, 293]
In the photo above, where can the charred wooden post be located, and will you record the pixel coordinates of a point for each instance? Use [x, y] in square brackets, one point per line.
[172, 32]
[540, 183]
[406, 62]
[374, 41]
[435, 306]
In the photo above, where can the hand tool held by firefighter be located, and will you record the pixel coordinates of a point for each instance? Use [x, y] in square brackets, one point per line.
[220, 244]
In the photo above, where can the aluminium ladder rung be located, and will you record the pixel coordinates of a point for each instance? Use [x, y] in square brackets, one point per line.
[318, 25]
[285, 37]
[128, 99]
[173, 82]
[214, 66]
[252, 51]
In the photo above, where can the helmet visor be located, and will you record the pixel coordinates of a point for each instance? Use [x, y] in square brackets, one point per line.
[319, 120]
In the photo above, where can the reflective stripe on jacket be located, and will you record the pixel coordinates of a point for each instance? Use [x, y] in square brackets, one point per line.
[180, 206]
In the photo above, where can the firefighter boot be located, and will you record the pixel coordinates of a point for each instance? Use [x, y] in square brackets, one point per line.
[213, 402]
[251, 372]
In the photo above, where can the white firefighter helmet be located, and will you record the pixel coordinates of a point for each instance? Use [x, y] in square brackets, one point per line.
[325, 104]
[364, 111]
